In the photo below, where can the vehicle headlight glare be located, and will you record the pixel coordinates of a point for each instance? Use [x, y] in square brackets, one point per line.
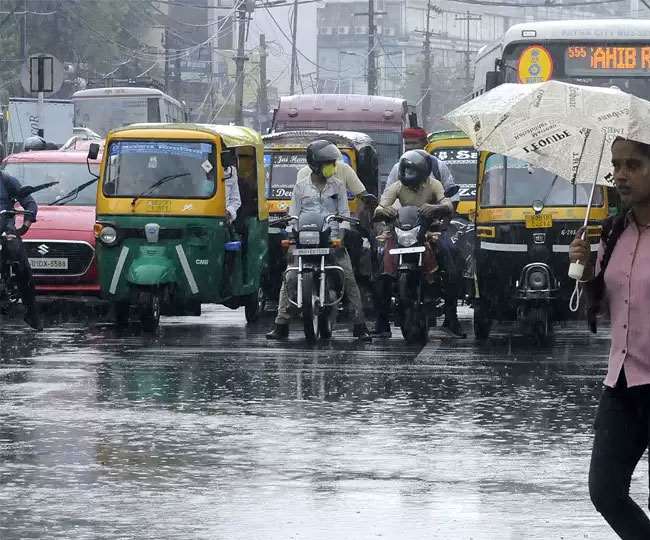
[407, 238]
[108, 236]
[309, 238]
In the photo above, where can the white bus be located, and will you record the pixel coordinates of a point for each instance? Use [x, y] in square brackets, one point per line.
[595, 52]
[103, 109]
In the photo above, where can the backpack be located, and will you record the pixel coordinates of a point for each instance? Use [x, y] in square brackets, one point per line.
[613, 228]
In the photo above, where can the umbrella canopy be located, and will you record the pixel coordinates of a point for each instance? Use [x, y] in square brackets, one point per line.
[565, 128]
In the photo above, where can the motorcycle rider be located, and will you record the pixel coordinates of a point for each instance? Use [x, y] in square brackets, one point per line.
[415, 187]
[324, 193]
[10, 193]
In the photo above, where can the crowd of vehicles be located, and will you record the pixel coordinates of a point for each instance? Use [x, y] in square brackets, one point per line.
[140, 219]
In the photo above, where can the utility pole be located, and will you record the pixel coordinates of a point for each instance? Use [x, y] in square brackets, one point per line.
[242, 16]
[469, 18]
[294, 49]
[166, 45]
[372, 63]
[426, 83]
[263, 99]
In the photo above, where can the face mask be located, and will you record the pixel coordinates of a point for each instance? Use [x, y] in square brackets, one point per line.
[328, 170]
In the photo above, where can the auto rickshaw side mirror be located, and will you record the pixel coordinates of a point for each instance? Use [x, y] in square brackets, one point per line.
[228, 158]
[93, 151]
[492, 80]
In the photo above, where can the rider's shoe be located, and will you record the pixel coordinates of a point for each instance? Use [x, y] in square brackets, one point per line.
[280, 331]
[33, 319]
[453, 327]
[382, 328]
[360, 331]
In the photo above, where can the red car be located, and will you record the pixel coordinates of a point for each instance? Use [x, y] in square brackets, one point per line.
[61, 244]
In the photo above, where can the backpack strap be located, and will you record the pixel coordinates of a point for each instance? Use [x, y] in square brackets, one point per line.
[435, 168]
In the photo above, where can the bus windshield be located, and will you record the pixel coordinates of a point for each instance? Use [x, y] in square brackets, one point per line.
[462, 165]
[160, 169]
[626, 66]
[512, 182]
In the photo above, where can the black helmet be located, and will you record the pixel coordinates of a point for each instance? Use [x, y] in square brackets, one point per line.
[320, 152]
[414, 168]
[34, 143]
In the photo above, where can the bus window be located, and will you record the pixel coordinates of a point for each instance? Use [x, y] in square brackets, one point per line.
[153, 109]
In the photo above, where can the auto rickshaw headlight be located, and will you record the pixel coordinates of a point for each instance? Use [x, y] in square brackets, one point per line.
[108, 236]
[538, 206]
[538, 280]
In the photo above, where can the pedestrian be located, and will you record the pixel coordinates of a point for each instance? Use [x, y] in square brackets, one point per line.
[620, 282]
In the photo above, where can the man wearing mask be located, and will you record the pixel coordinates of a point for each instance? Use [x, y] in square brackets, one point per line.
[10, 193]
[323, 193]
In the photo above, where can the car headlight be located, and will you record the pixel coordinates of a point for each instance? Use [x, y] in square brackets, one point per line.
[537, 280]
[309, 238]
[108, 236]
[407, 238]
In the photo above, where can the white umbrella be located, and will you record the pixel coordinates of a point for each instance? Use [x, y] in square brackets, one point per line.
[564, 128]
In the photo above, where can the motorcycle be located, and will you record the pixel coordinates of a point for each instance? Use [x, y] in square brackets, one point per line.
[319, 286]
[418, 303]
[9, 291]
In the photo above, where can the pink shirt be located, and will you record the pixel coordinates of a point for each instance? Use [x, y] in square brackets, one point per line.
[627, 289]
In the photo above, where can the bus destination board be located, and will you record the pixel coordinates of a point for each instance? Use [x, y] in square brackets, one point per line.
[590, 61]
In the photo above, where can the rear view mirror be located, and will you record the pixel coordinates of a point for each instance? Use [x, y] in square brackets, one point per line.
[492, 80]
[93, 151]
[452, 190]
[228, 158]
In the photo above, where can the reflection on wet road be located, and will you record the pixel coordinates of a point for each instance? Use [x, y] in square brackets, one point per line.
[208, 431]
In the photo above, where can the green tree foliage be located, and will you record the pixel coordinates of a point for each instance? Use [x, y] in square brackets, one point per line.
[95, 36]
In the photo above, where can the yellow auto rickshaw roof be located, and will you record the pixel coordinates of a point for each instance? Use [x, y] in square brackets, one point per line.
[447, 134]
[302, 138]
[232, 136]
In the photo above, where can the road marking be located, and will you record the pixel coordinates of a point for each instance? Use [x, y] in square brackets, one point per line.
[118, 269]
[186, 268]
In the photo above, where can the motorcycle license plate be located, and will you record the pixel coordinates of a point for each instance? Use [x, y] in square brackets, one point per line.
[402, 251]
[311, 251]
[49, 263]
[539, 221]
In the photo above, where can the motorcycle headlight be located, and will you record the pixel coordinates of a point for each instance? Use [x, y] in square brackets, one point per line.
[108, 236]
[407, 238]
[309, 238]
[537, 280]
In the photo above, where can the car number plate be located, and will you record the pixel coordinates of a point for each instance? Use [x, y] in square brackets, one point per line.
[48, 263]
[539, 221]
[311, 251]
[402, 251]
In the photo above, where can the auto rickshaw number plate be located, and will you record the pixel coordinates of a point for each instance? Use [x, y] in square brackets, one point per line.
[311, 251]
[402, 251]
[539, 221]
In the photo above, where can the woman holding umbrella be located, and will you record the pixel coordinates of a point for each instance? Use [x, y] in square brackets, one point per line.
[621, 282]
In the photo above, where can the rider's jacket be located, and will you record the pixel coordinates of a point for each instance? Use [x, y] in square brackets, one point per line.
[9, 188]
[332, 198]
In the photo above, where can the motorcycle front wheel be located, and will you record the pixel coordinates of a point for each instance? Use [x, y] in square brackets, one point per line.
[310, 308]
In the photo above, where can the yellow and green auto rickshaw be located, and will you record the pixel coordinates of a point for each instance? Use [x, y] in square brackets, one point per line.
[285, 154]
[165, 244]
[526, 217]
[457, 151]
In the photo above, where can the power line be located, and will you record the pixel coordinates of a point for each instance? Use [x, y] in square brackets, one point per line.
[546, 4]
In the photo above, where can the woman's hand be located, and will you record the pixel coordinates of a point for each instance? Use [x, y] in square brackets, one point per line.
[580, 251]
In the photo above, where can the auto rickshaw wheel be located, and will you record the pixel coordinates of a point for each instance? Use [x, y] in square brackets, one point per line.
[150, 310]
[482, 321]
[310, 308]
[122, 310]
[254, 306]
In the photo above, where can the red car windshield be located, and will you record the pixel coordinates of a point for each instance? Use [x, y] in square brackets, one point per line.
[68, 175]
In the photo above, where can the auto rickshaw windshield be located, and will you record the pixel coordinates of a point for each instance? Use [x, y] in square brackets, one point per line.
[513, 182]
[282, 172]
[161, 169]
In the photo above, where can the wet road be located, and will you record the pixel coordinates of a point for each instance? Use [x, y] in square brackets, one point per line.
[207, 431]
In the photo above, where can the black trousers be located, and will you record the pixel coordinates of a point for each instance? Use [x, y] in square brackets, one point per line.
[16, 254]
[622, 433]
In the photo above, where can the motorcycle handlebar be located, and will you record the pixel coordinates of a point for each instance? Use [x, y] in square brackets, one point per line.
[339, 218]
[283, 221]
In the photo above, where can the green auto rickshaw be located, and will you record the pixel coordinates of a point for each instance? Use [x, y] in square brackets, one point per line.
[165, 243]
